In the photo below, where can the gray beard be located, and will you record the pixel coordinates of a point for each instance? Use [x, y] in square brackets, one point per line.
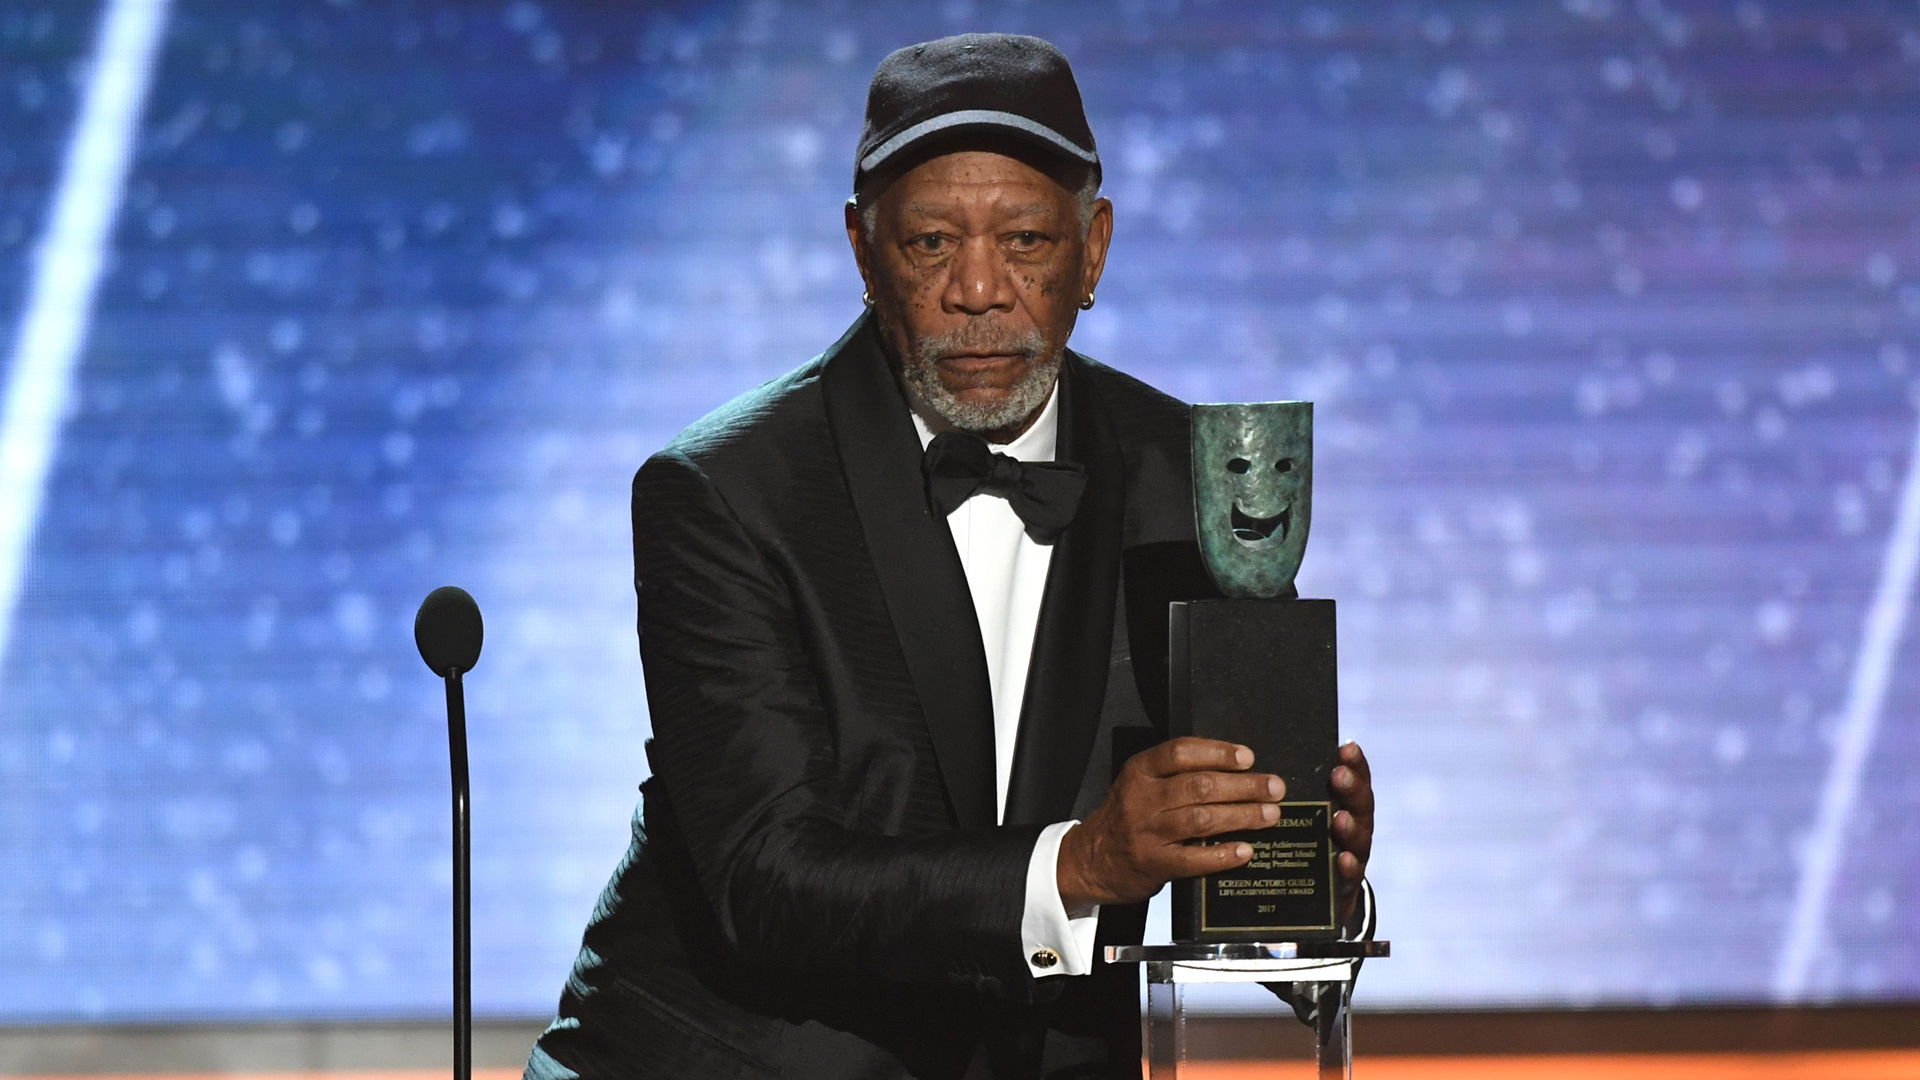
[920, 369]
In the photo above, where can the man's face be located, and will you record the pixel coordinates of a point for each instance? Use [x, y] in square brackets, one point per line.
[977, 264]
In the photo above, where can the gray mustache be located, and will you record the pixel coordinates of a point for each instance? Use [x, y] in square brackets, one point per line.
[975, 337]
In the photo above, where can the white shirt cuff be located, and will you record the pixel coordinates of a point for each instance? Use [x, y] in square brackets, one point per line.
[1366, 916]
[1055, 944]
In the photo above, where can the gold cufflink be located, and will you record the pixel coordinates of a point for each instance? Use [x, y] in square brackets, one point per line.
[1045, 958]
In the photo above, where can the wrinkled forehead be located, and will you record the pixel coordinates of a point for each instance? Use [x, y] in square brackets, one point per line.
[954, 188]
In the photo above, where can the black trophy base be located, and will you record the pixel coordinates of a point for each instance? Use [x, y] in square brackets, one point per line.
[1262, 673]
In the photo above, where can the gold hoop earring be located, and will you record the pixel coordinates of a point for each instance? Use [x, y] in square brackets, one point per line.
[866, 297]
[1087, 304]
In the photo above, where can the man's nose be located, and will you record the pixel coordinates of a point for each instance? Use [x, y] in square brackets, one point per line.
[979, 282]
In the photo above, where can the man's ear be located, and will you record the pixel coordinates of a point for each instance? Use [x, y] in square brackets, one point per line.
[856, 237]
[1099, 235]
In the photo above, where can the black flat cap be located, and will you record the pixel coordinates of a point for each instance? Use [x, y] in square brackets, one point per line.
[1007, 82]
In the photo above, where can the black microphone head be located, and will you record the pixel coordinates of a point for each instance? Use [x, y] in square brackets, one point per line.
[447, 629]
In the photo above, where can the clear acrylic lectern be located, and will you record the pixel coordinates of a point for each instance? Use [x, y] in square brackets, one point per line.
[1316, 976]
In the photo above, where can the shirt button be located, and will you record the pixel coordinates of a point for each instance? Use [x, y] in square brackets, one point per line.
[1045, 958]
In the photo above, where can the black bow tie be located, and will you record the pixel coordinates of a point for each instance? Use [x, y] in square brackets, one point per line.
[1044, 493]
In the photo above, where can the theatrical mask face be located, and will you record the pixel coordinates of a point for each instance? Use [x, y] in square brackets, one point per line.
[1253, 493]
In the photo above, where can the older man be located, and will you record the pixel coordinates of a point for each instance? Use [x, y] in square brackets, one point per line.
[893, 607]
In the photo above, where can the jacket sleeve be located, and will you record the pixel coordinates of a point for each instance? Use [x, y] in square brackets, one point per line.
[742, 749]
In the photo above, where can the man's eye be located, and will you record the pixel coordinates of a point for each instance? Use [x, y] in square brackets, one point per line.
[1028, 239]
[930, 243]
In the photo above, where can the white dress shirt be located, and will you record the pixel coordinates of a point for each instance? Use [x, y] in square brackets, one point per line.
[1007, 575]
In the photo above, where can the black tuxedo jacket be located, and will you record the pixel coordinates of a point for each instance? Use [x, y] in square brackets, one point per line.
[816, 886]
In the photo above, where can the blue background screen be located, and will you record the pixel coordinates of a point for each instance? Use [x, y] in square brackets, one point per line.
[1610, 311]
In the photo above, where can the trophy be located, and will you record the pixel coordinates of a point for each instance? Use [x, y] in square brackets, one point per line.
[1257, 668]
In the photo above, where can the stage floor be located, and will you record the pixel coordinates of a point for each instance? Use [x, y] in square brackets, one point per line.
[1853, 1064]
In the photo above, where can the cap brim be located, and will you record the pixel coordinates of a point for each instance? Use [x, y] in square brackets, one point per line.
[987, 118]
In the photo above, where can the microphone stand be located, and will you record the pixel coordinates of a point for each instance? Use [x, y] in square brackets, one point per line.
[462, 882]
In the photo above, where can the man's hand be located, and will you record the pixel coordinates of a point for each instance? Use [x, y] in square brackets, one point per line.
[1352, 783]
[1133, 842]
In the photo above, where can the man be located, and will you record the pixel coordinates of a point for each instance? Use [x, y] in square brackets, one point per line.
[893, 607]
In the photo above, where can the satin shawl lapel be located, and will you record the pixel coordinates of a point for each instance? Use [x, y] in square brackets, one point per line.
[1066, 681]
[920, 574]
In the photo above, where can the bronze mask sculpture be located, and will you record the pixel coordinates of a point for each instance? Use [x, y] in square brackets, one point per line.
[1253, 494]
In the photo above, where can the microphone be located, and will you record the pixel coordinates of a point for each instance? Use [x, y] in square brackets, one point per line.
[447, 629]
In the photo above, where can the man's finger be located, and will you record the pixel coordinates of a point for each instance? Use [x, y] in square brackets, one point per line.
[1356, 759]
[1181, 861]
[1212, 819]
[1188, 789]
[1351, 867]
[1188, 754]
[1355, 790]
[1353, 835]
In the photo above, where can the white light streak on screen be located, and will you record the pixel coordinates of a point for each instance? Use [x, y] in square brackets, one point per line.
[66, 270]
[1879, 640]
